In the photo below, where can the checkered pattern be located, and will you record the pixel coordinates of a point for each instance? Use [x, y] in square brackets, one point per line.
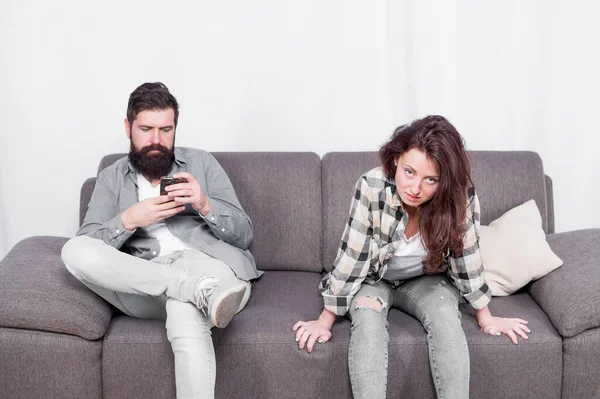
[375, 227]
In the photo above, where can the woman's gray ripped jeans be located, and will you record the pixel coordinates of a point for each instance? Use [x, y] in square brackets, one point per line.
[433, 300]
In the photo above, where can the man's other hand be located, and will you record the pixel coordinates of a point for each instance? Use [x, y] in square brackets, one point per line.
[189, 193]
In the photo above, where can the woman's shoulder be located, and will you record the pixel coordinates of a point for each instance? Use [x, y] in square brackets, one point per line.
[376, 174]
[375, 179]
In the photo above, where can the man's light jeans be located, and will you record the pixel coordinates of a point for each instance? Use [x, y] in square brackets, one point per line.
[164, 287]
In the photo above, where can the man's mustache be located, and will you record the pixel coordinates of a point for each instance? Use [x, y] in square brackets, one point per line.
[154, 147]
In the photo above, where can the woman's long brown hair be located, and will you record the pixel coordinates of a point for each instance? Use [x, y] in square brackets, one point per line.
[441, 219]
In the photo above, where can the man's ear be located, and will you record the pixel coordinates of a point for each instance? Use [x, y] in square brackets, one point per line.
[127, 129]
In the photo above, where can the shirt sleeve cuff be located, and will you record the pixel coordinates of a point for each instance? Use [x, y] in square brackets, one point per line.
[118, 233]
[339, 305]
[479, 299]
[212, 216]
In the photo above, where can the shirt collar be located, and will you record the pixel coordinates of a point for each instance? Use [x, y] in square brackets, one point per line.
[393, 191]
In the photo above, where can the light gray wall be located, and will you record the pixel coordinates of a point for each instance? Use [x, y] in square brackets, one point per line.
[306, 75]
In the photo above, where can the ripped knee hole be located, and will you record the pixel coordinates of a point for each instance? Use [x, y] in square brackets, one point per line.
[369, 302]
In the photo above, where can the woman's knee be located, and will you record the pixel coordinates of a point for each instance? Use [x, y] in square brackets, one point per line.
[441, 315]
[369, 312]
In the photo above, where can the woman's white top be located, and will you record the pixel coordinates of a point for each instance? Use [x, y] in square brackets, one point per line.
[407, 261]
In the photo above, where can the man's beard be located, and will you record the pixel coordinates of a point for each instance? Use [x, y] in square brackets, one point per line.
[152, 166]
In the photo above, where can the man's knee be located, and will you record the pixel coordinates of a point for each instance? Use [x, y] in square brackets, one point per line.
[78, 254]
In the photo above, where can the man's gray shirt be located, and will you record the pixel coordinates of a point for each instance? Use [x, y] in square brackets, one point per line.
[224, 233]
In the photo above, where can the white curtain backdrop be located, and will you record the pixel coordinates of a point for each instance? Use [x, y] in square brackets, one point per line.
[304, 75]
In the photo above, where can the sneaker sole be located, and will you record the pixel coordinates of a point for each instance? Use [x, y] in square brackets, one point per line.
[227, 306]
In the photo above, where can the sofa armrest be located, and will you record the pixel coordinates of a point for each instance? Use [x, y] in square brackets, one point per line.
[38, 293]
[570, 295]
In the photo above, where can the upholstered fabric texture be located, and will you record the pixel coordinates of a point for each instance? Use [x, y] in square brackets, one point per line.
[38, 293]
[503, 180]
[263, 330]
[566, 295]
[283, 204]
[37, 364]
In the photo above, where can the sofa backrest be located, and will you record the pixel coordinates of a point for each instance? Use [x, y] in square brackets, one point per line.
[299, 204]
[281, 192]
[503, 180]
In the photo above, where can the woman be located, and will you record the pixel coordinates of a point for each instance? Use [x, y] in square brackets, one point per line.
[411, 243]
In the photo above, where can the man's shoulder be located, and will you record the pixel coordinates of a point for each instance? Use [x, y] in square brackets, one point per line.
[117, 168]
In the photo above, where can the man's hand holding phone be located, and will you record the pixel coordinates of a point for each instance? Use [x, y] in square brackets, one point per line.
[150, 211]
[189, 192]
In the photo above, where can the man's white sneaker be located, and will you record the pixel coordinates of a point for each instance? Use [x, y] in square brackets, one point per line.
[221, 301]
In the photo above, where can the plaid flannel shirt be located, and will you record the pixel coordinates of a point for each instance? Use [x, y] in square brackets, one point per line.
[375, 227]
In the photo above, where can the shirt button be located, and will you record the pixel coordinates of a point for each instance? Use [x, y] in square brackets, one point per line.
[212, 218]
[153, 252]
[118, 231]
[222, 229]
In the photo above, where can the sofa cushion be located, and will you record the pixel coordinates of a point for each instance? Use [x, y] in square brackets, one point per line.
[514, 250]
[503, 180]
[256, 354]
[39, 364]
[570, 294]
[499, 369]
[506, 179]
[258, 357]
[281, 192]
[581, 365]
[38, 293]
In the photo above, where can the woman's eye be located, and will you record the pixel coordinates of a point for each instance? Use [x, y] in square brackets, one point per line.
[431, 180]
[408, 172]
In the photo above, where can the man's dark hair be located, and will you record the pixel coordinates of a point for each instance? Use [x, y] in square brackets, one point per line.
[151, 96]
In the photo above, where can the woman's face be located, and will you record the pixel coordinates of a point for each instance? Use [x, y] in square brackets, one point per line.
[417, 178]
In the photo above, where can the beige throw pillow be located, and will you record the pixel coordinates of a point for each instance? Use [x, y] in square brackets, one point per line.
[514, 250]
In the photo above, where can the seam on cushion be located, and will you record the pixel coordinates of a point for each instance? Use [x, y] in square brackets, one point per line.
[51, 333]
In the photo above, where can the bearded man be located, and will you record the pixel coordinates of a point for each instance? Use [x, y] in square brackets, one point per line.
[181, 256]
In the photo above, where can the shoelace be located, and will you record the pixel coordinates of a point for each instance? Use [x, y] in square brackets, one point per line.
[202, 301]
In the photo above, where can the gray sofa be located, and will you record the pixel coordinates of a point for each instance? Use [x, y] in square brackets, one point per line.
[59, 340]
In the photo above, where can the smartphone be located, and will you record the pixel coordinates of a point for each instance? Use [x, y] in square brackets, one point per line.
[167, 181]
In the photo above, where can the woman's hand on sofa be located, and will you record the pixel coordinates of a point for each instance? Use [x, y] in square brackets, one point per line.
[309, 332]
[502, 325]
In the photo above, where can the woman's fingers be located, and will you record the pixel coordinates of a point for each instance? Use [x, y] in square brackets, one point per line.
[520, 331]
[513, 337]
[524, 327]
[303, 338]
[298, 324]
[324, 338]
[311, 342]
